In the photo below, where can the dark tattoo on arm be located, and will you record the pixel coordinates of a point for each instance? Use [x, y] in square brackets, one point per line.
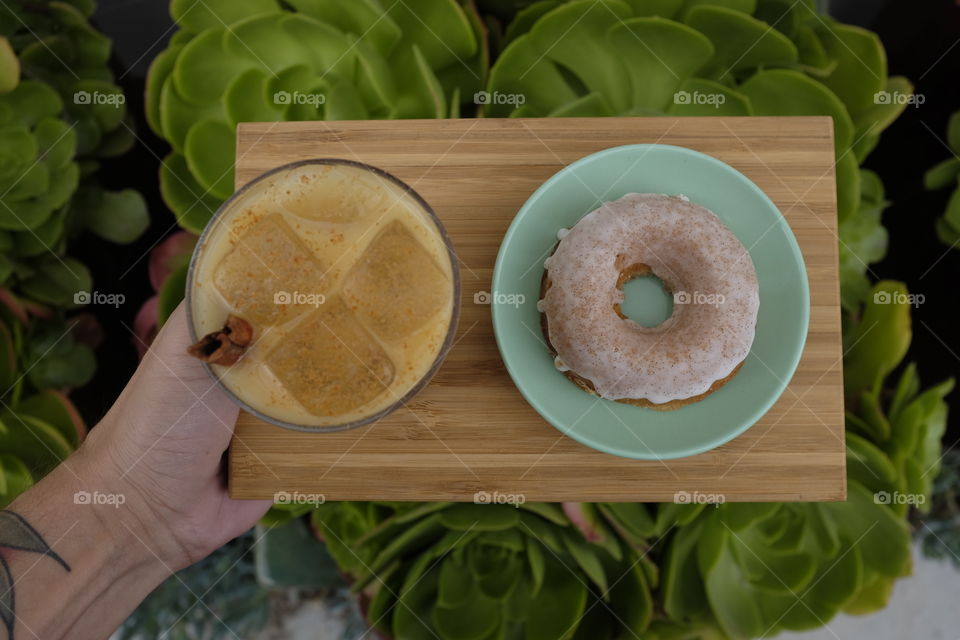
[17, 534]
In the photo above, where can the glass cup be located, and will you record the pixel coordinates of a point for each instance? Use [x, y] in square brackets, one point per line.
[349, 281]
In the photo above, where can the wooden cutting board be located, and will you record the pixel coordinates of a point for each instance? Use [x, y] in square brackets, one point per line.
[470, 430]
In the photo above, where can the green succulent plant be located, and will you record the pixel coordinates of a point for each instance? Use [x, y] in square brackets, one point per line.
[757, 569]
[947, 174]
[266, 60]
[60, 113]
[495, 571]
[39, 426]
[713, 57]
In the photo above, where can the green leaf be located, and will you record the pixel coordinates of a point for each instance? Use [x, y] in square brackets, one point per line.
[479, 517]
[784, 92]
[57, 282]
[102, 102]
[190, 202]
[868, 465]
[872, 597]
[37, 443]
[210, 148]
[411, 618]
[177, 115]
[662, 54]
[439, 28]
[118, 216]
[741, 41]
[456, 585]
[361, 17]
[882, 537]
[32, 101]
[556, 609]
[9, 67]
[250, 98]
[848, 186]
[943, 174]
[56, 142]
[536, 562]
[861, 71]
[880, 340]
[198, 15]
[54, 360]
[15, 478]
[474, 620]
[872, 413]
[683, 591]
[885, 107]
[588, 559]
[160, 69]
[55, 408]
[727, 588]
[204, 67]
[702, 97]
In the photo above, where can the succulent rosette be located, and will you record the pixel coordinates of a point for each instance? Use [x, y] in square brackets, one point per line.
[263, 60]
[713, 58]
[501, 571]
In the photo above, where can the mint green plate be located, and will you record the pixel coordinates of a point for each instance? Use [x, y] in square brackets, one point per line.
[618, 428]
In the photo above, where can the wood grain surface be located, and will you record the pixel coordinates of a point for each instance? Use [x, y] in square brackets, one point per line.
[470, 430]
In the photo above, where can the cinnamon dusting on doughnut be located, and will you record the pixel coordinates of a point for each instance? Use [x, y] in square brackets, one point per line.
[680, 242]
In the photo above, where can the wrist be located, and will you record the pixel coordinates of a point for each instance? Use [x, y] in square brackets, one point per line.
[96, 555]
[117, 511]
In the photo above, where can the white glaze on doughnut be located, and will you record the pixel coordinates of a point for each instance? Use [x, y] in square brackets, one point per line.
[690, 250]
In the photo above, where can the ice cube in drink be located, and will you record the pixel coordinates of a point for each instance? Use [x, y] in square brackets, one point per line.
[395, 286]
[330, 363]
[268, 275]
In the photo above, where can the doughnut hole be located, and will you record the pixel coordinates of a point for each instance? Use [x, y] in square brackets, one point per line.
[646, 299]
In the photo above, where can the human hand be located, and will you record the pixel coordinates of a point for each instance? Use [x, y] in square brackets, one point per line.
[161, 446]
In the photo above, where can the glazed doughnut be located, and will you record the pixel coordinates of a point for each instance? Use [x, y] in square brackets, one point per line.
[699, 260]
